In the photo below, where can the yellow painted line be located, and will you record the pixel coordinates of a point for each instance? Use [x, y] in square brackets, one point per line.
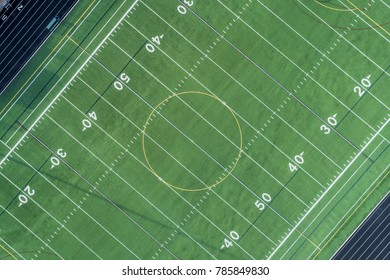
[8, 252]
[377, 24]
[74, 42]
[308, 239]
[336, 9]
[55, 48]
[349, 217]
[181, 187]
[77, 44]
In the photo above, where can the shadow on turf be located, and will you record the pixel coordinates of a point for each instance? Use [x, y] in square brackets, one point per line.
[122, 207]
[141, 216]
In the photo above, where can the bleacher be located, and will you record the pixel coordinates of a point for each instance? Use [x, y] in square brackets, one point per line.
[3, 4]
[23, 29]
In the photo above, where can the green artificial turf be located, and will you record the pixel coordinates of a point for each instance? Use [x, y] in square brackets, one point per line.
[221, 130]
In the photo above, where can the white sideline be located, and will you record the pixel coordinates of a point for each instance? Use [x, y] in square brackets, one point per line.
[68, 69]
[67, 84]
[335, 196]
[330, 187]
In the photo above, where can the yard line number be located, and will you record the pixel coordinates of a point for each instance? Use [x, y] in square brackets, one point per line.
[28, 192]
[332, 121]
[123, 78]
[365, 84]
[260, 204]
[157, 40]
[87, 123]
[182, 9]
[55, 160]
[228, 242]
[299, 160]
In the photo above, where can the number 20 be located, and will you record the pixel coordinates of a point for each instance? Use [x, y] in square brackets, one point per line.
[365, 83]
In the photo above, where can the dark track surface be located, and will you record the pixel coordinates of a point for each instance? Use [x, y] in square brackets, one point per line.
[372, 239]
[23, 30]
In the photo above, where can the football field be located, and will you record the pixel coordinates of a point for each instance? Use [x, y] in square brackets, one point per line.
[224, 129]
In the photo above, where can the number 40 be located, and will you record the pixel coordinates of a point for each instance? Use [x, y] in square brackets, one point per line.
[227, 242]
[299, 160]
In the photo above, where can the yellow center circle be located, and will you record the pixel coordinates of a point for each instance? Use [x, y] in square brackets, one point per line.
[336, 7]
[158, 161]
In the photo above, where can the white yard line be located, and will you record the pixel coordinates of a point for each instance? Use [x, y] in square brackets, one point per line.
[236, 113]
[276, 81]
[330, 187]
[110, 168]
[363, 20]
[242, 86]
[141, 131]
[71, 79]
[82, 67]
[335, 176]
[169, 89]
[222, 36]
[115, 173]
[94, 188]
[325, 57]
[12, 248]
[68, 83]
[330, 200]
[44, 67]
[50, 215]
[170, 188]
[68, 69]
[303, 71]
[342, 37]
[194, 143]
[33, 233]
[232, 175]
[78, 206]
[383, 2]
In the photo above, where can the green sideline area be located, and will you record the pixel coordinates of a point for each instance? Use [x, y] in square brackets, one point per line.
[223, 129]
